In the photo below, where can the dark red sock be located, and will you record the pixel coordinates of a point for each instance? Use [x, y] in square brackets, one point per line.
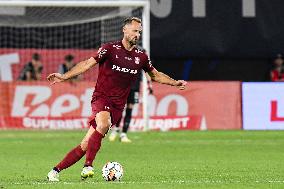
[72, 157]
[94, 145]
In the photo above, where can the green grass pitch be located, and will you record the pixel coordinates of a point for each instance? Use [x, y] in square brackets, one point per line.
[207, 159]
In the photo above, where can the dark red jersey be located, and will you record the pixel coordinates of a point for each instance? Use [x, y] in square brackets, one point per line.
[118, 70]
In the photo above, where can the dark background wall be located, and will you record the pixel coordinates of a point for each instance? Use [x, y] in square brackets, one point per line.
[224, 31]
[225, 44]
[216, 69]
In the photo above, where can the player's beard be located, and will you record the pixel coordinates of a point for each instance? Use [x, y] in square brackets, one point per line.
[133, 41]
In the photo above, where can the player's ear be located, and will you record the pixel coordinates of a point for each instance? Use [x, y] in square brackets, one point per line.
[123, 29]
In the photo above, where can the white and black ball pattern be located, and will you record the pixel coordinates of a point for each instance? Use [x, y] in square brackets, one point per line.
[112, 171]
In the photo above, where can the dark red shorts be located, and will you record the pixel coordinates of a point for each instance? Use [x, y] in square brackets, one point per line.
[102, 103]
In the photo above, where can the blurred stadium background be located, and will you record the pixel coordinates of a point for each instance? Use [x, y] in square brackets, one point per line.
[225, 48]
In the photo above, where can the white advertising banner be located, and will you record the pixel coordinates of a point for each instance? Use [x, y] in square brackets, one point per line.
[263, 105]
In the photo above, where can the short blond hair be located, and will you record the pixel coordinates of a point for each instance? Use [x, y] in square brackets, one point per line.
[130, 19]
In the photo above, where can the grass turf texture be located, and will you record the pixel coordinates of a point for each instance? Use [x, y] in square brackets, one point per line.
[215, 159]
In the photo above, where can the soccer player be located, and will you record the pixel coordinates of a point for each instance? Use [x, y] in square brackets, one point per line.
[119, 66]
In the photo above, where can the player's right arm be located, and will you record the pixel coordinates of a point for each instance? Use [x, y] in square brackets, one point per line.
[80, 68]
[165, 79]
[161, 77]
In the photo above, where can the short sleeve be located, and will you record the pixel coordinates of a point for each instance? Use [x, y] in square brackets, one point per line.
[147, 67]
[102, 53]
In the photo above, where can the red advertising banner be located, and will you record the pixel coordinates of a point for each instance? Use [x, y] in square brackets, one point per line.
[166, 123]
[204, 105]
[13, 60]
[217, 103]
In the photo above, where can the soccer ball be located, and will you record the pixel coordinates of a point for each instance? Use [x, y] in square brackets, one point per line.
[112, 171]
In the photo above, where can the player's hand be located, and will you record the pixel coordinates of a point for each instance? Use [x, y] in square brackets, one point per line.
[180, 84]
[55, 78]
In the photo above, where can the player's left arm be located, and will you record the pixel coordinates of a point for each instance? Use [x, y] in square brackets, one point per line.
[165, 79]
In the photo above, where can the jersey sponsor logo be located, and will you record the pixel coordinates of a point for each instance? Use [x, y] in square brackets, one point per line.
[125, 70]
[116, 46]
[137, 60]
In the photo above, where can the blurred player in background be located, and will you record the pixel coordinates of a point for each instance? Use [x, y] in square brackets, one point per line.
[32, 70]
[133, 98]
[67, 66]
[120, 64]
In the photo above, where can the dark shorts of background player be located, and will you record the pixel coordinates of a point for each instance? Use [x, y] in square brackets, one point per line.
[102, 103]
[133, 97]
